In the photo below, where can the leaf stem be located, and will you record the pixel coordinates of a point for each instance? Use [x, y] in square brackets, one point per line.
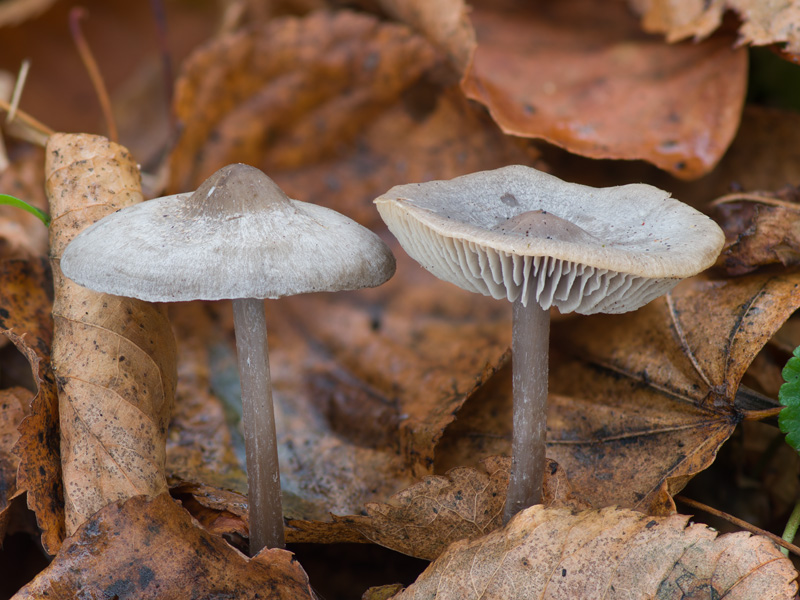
[12, 201]
[791, 527]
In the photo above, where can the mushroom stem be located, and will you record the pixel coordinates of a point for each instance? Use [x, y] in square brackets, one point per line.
[263, 474]
[529, 360]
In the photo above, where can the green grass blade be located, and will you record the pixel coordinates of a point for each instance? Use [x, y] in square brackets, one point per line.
[12, 201]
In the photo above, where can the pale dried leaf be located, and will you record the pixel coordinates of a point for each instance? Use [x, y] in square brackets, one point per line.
[424, 519]
[763, 22]
[553, 554]
[114, 358]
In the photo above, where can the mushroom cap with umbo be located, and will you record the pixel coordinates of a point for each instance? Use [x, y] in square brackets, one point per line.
[237, 236]
[516, 232]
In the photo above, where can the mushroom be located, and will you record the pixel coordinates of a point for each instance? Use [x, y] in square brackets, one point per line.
[237, 237]
[540, 242]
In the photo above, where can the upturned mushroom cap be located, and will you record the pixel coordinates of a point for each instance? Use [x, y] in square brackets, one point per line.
[517, 232]
[237, 236]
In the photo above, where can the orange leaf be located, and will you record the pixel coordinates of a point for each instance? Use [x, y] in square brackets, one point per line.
[579, 74]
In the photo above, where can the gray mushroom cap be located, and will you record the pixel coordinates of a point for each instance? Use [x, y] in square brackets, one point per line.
[516, 232]
[237, 236]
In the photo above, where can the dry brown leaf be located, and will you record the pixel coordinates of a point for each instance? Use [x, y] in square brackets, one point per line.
[366, 382]
[25, 320]
[14, 404]
[424, 519]
[221, 512]
[302, 88]
[445, 23]
[762, 22]
[382, 592]
[760, 230]
[640, 402]
[324, 148]
[581, 75]
[114, 358]
[199, 444]
[154, 549]
[336, 358]
[612, 553]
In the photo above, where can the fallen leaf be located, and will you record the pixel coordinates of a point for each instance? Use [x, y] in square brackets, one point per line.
[382, 592]
[759, 230]
[365, 383]
[611, 553]
[424, 519]
[445, 23]
[221, 512]
[302, 88]
[762, 23]
[154, 549]
[14, 403]
[113, 357]
[25, 320]
[640, 402]
[582, 76]
[200, 447]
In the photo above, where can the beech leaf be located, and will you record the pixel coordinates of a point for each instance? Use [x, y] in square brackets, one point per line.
[581, 75]
[640, 402]
[762, 23]
[154, 549]
[113, 357]
[424, 519]
[552, 554]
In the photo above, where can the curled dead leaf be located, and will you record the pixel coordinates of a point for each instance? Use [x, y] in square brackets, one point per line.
[113, 358]
[154, 549]
[25, 320]
[557, 554]
[762, 23]
[581, 75]
[760, 230]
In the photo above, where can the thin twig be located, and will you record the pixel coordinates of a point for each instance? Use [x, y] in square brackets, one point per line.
[18, 86]
[739, 523]
[75, 16]
[27, 120]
